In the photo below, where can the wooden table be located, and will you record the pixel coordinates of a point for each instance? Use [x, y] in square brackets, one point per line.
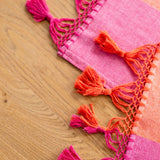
[37, 90]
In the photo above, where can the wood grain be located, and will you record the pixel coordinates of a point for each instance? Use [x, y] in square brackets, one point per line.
[37, 97]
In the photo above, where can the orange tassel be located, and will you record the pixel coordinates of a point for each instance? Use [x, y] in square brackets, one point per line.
[133, 58]
[87, 120]
[88, 115]
[107, 44]
[90, 83]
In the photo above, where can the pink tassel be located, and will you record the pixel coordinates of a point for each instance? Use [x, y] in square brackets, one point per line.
[39, 10]
[76, 122]
[58, 28]
[69, 154]
[91, 130]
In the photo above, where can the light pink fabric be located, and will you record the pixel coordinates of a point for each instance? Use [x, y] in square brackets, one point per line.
[143, 149]
[130, 23]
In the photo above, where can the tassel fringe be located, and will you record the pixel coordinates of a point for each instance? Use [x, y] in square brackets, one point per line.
[69, 154]
[40, 12]
[90, 83]
[87, 120]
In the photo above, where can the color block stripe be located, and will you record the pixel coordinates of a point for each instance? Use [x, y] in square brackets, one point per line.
[153, 3]
[143, 149]
[149, 124]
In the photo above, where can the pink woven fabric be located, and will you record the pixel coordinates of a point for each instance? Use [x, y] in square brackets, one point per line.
[143, 149]
[127, 24]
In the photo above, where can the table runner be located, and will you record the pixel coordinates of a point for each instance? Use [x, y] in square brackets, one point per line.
[124, 20]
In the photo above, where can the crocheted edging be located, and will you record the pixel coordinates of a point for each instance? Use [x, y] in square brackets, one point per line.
[84, 26]
[146, 93]
[141, 109]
